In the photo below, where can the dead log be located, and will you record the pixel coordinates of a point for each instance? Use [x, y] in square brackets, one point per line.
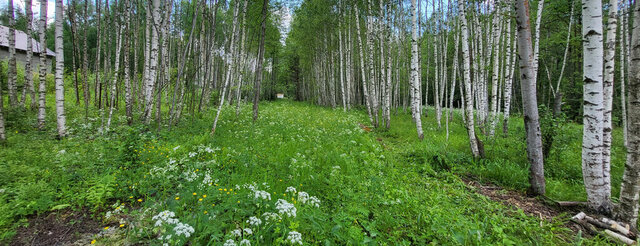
[619, 237]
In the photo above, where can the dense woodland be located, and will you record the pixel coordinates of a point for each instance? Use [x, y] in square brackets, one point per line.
[537, 97]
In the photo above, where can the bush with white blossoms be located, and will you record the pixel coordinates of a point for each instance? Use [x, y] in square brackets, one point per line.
[254, 221]
[167, 218]
[285, 207]
[294, 237]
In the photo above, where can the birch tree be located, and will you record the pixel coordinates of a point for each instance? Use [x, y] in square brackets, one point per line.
[598, 192]
[153, 61]
[12, 73]
[529, 100]
[42, 89]
[630, 188]
[607, 91]
[415, 86]
[466, 71]
[28, 74]
[256, 96]
[60, 115]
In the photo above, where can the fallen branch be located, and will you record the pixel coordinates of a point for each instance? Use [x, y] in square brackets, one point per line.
[619, 237]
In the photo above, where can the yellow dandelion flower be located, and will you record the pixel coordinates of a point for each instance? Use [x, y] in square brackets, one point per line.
[121, 225]
[238, 201]
[194, 193]
[204, 196]
[228, 193]
[205, 212]
[93, 241]
[139, 200]
[225, 189]
[130, 196]
[213, 205]
[177, 198]
[200, 199]
[106, 227]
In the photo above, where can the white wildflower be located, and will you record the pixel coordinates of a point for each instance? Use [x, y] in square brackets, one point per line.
[285, 207]
[245, 242]
[314, 201]
[291, 189]
[247, 231]
[237, 232]
[262, 195]
[294, 237]
[176, 148]
[183, 229]
[192, 154]
[271, 216]
[230, 242]
[303, 197]
[254, 221]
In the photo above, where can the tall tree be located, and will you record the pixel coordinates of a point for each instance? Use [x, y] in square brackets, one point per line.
[60, 115]
[598, 193]
[529, 100]
[630, 188]
[28, 74]
[607, 91]
[151, 73]
[415, 86]
[12, 73]
[466, 71]
[256, 96]
[42, 89]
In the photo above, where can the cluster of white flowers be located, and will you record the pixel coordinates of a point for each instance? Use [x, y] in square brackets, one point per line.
[192, 154]
[183, 229]
[294, 237]
[303, 197]
[247, 231]
[314, 201]
[237, 232]
[168, 218]
[230, 242]
[165, 217]
[262, 195]
[291, 189]
[335, 170]
[176, 148]
[245, 242]
[285, 207]
[268, 216]
[254, 221]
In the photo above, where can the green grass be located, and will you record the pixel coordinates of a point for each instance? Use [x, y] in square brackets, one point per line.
[398, 191]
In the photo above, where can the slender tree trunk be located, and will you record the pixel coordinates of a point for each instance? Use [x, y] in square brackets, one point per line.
[28, 74]
[365, 89]
[598, 193]
[557, 108]
[85, 61]
[153, 62]
[74, 45]
[42, 89]
[497, 30]
[61, 119]
[256, 96]
[467, 81]
[415, 101]
[529, 101]
[607, 91]
[96, 68]
[128, 94]
[229, 69]
[12, 73]
[630, 188]
[536, 48]
[623, 66]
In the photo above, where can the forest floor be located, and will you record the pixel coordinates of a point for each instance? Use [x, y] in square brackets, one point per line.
[300, 168]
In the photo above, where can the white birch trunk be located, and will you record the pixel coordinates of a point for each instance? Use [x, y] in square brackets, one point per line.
[365, 89]
[12, 73]
[607, 91]
[234, 36]
[598, 193]
[630, 188]
[415, 101]
[153, 62]
[536, 48]
[42, 89]
[473, 144]
[28, 74]
[623, 66]
[60, 116]
[497, 31]
[529, 101]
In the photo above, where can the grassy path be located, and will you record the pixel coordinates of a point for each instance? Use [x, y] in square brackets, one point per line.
[351, 187]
